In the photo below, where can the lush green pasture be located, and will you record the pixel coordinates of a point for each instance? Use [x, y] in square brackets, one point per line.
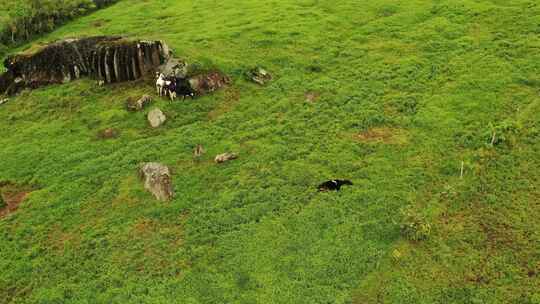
[406, 92]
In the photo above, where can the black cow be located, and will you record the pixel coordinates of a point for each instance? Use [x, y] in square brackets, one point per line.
[183, 88]
[333, 185]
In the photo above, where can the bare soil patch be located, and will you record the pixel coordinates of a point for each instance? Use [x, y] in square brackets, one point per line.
[11, 197]
[384, 135]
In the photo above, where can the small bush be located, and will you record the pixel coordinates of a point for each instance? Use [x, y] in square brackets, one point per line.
[414, 225]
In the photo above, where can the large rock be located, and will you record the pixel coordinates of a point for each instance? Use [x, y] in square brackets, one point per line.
[106, 58]
[157, 180]
[174, 67]
[156, 118]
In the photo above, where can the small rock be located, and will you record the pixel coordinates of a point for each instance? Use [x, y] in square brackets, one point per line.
[108, 133]
[156, 118]
[157, 180]
[199, 151]
[137, 105]
[260, 76]
[100, 83]
[3, 101]
[225, 157]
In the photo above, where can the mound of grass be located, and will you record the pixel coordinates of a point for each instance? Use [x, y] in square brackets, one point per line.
[407, 92]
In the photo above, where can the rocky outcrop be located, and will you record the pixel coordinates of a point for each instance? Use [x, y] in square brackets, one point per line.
[208, 82]
[157, 180]
[105, 58]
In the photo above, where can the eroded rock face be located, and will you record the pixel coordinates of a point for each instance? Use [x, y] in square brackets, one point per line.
[157, 180]
[106, 58]
[156, 118]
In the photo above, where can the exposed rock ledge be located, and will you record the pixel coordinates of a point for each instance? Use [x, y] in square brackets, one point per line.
[110, 59]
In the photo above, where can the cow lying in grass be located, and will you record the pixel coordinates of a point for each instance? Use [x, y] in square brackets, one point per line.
[333, 185]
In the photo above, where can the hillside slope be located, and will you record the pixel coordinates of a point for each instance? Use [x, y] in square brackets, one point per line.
[394, 95]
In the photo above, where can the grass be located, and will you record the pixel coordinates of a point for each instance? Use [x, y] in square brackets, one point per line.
[406, 92]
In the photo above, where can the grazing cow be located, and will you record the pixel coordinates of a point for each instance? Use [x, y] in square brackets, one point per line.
[184, 89]
[333, 185]
[160, 83]
[170, 88]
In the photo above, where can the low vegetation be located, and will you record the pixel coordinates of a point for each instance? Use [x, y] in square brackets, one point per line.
[429, 107]
[21, 20]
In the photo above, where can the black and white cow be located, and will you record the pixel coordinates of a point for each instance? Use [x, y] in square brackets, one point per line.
[333, 185]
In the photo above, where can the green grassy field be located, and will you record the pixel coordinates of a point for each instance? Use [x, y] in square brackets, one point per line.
[405, 92]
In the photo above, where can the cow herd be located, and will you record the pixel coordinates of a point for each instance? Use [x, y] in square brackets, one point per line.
[172, 87]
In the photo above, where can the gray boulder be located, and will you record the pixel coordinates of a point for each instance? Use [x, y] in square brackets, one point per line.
[259, 75]
[156, 118]
[221, 158]
[174, 67]
[137, 105]
[157, 180]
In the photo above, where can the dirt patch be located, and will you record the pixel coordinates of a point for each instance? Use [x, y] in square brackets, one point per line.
[312, 97]
[11, 196]
[231, 98]
[60, 239]
[98, 23]
[383, 135]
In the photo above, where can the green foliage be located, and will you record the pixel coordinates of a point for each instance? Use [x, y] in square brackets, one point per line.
[21, 20]
[421, 81]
